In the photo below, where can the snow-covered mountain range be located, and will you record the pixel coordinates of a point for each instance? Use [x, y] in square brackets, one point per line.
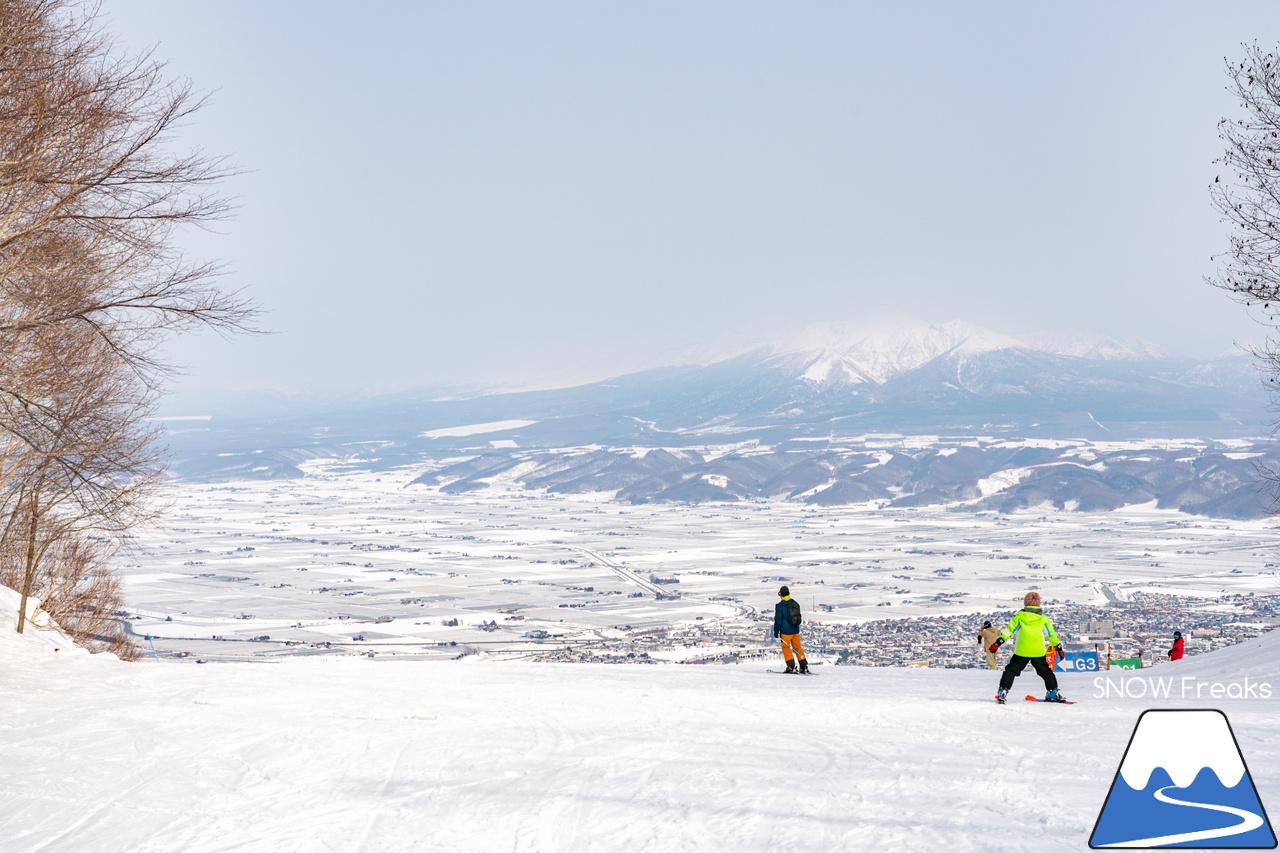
[875, 354]
[809, 399]
[886, 343]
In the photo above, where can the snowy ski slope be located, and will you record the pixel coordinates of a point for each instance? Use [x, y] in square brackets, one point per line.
[349, 754]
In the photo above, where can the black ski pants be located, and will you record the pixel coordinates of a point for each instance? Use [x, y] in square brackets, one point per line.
[1018, 663]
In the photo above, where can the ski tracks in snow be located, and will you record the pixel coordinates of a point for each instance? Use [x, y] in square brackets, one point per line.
[360, 757]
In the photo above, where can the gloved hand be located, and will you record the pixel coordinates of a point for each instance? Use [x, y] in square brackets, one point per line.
[776, 635]
[1061, 653]
[997, 644]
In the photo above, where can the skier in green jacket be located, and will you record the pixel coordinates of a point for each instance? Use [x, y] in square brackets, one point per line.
[1035, 635]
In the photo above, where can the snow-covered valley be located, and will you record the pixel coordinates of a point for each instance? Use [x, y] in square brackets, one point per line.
[343, 562]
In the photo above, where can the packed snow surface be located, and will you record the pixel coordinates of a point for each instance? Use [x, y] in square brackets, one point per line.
[350, 754]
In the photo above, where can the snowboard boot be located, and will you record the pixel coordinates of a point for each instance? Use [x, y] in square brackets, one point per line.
[804, 666]
[791, 667]
[1002, 695]
[1054, 695]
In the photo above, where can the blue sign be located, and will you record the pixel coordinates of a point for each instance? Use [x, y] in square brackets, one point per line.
[1077, 662]
[1183, 783]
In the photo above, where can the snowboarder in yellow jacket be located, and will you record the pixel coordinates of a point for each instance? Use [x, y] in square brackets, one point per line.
[1035, 636]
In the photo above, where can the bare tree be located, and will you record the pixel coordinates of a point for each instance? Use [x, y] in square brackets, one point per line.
[80, 457]
[78, 589]
[1248, 197]
[91, 282]
[90, 192]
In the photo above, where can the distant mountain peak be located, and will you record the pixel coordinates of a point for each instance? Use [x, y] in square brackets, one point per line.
[877, 350]
[883, 343]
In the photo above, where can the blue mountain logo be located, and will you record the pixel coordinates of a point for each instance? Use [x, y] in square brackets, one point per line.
[1183, 783]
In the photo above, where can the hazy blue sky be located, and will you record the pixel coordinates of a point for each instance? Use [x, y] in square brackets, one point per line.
[482, 191]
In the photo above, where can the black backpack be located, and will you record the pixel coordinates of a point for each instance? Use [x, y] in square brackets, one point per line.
[793, 613]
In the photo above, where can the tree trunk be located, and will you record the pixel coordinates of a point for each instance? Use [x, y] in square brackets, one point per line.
[29, 571]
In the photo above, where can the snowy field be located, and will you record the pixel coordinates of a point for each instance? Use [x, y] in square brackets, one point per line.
[344, 754]
[350, 562]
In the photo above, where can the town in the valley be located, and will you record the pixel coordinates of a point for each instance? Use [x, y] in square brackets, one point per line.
[349, 564]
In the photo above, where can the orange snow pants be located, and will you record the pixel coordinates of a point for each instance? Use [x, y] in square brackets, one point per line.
[789, 642]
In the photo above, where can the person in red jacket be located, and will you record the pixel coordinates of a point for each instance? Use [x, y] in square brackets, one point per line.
[1175, 653]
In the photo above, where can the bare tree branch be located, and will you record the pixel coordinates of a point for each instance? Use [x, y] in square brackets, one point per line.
[92, 282]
